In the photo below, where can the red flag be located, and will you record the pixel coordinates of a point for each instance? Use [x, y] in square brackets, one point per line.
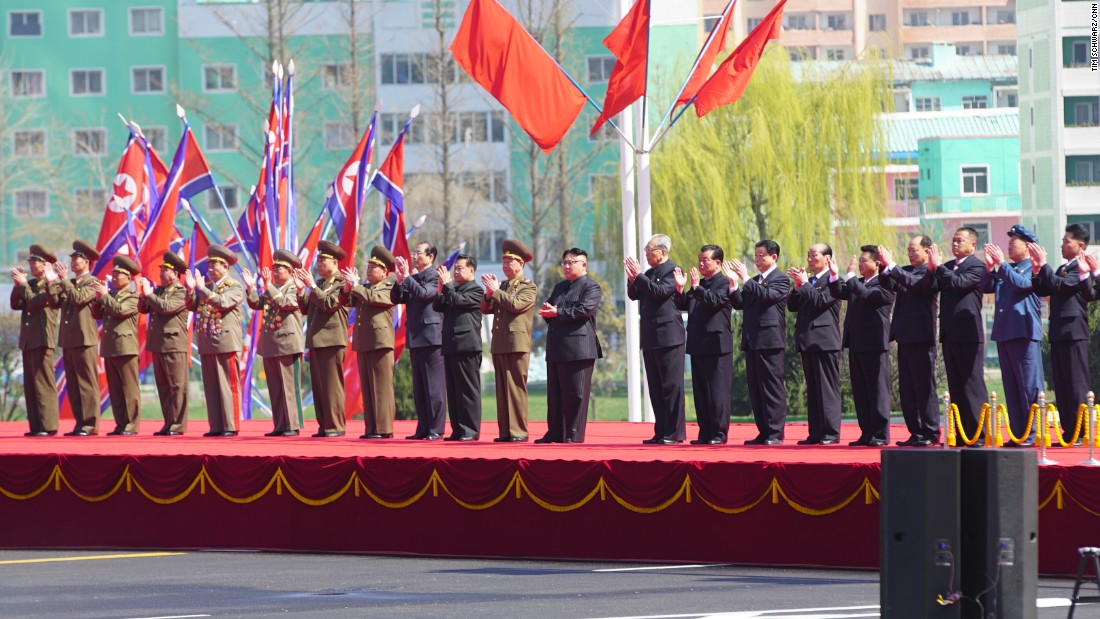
[716, 42]
[730, 80]
[629, 41]
[501, 56]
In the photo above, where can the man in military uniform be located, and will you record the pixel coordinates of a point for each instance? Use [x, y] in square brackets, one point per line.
[78, 338]
[326, 337]
[37, 338]
[218, 334]
[280, 339]
[460, 303]
[373, 339]
[512, 305]
[119, 312]
[425, 340]
[166, 338]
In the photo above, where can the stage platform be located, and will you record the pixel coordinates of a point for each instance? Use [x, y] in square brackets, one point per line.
[611, 498]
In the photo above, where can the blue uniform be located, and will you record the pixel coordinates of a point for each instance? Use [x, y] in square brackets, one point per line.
[1017, 330]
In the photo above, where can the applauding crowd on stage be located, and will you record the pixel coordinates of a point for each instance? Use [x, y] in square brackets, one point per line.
[444, 309]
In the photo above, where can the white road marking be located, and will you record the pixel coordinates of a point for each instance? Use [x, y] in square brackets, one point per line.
[661, 567]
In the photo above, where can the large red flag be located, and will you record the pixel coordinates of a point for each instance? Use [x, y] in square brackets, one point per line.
[716, 42]
[730, 80]
[503, 57]
[629, 41]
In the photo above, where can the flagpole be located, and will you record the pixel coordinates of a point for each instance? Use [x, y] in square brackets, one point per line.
[645, 218]
[699, 58]
[630, 244]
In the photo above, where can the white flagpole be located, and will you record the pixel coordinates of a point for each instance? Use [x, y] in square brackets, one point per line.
[630, 247]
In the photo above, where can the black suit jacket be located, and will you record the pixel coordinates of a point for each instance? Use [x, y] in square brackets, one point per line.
[914, 320]
[961, 301]
[423, 323]
[571, 336]
[662, 324]
[764, 321]
[709, 331]
[1069, 297]
[817, 327]
[867, 322]
[461, 307]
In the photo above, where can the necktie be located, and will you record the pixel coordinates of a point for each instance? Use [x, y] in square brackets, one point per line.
[813, 280]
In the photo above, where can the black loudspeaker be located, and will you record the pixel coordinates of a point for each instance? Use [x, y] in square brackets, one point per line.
[1000, 525]
[919, 533]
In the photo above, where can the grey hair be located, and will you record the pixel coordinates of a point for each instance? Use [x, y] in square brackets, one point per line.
[661, 241]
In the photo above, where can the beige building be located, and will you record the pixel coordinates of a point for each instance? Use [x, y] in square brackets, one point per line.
[844, 29]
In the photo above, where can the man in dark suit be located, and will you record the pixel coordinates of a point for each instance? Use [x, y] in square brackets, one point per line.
[460, 303]
[867, 338]
[424, 326]
[663, 338]
[1017, 326]
[763, 337]
[571, 349]
[914, 329]
[962, 331]
[1070, 291]
[35, 299]
[709, 342]
[817, 340]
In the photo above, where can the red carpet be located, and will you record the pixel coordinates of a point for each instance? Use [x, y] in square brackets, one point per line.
[611, 498]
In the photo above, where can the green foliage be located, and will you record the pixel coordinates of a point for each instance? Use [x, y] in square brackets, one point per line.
[610, 325]
[402, 388]
[789, 161]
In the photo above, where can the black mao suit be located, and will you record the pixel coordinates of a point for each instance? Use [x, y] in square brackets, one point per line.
[424, 326]
[817, 340]
[962, 335]
[663, 339]
[913, 327]
[1069, 337]
[764, 338]
[571, 352]
[462, 350]
[710, 344]
[867, 338]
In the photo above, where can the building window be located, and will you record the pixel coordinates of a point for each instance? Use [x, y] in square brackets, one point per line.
[27, 83]
[488, 244]
[219, 137]
[25, 24]
[975, 180]
[219, 78]
[876, 23]
[1007, 97]
[1079, 54]
[927, 104]
[1006, 49]
[1085, 170]
[916, 19]
[919, 52]
[89, 142]
[157, 137]
[336, 76]
[339, 136]
[1086, 114]
[975, 102]
[400, 69]
[1005, 16]
[753, 22]
[229, 194]
[89, 198]
[147, 21]
[599, 68]
[799, 21]
[31, 203]
[147, 80]
[29, 142]
[982, 228]
[901, 100]
[905, 189]
[86, 23]
[86, 82]
[834, 54]
[960, 18]
[968, 49]
[836, 22]
[418, 69]
[390, 125]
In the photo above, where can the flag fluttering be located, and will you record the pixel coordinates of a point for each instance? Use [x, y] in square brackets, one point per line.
[629, 42]
[715, 43]
[732, 77]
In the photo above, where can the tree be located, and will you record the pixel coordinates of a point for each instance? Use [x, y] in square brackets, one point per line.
[796, 161]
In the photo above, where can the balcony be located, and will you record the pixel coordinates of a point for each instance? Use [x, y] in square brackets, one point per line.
[946, 206]
[1082, 140]
[1082, 199]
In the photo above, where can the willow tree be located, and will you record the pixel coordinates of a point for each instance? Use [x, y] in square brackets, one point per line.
[797, 160]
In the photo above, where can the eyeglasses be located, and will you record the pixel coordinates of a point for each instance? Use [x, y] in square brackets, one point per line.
[418, 253]
[569, 263]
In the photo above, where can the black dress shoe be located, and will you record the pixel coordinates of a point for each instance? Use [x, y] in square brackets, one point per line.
[828, 440]
[921, 442]
[173, 433]
[716, 441]
[544, 440]
[433, 437]
[651, 441]
[416, 437]
[78, 433]
[274, 433]
[669, 441]
[214, 434]
[878, 442]
[36, 434]
[160, 433]
[907, 442]
[862, 442]
[127, 433]
[810, 440]
[755, 441]
[289, 433]
[375, 435]
[510, 439]
[115, 433]
[699, 441]
[572, 440]
[772, 441]
[229, 433]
